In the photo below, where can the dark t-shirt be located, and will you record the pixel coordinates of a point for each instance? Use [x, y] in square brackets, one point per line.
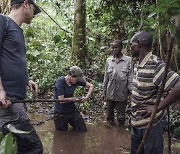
[13, 69]
[62, 88]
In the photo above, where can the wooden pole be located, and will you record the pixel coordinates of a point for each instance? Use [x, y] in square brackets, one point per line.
[160, 92]
[169, 134]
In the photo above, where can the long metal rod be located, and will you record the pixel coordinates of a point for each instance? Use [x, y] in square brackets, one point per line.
[40, 100]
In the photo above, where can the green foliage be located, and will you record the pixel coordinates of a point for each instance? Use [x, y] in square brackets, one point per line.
[177, 132]
[175, 116]
[49, 48]
[7, 144]
[83, 107]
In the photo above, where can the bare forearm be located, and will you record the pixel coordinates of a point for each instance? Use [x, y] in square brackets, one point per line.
[105, 83]
[1, 86]
[67, 100]
[90, 90]
[2, 92]
[173, 97]
[106, 80]
[130, 79]
[4, 103]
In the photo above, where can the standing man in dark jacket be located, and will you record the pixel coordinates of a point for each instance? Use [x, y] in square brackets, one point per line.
[117, 83]
[14, 76]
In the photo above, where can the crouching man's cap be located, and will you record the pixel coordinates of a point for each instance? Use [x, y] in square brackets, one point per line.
[77, 71]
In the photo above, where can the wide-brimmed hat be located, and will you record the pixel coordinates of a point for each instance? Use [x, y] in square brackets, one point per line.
[77, 71]
[37, 9]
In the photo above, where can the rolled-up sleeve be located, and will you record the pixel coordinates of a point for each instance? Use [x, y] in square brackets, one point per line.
[130, 76]
[106, 78]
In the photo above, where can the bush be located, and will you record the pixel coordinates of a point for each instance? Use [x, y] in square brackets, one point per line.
[7, 144]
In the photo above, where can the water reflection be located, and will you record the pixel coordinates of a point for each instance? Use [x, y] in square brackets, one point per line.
[96, 140]
[99, 139]
[68, 143]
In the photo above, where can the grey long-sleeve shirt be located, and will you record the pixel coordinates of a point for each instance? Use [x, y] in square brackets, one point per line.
[118, 78]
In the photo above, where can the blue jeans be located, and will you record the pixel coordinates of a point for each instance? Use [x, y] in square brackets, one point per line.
[154, 142]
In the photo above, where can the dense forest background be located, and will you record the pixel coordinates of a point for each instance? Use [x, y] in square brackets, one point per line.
[83, 29]
[79, 32]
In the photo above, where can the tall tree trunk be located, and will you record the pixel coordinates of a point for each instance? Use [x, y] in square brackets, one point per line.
[79, 34]
[177, 45]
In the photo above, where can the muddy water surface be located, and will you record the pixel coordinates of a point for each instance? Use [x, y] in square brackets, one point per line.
[100, 139]
[97, 140]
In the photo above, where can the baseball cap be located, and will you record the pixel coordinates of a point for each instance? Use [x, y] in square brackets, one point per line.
[37, 9]
[77, 71]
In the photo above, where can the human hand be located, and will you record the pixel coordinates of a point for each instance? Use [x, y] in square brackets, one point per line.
[33, 87]
[3, 102]
[84, 99]
[76, 99]
[147, 110]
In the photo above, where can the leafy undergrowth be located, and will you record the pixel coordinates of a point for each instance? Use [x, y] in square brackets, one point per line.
[7, 144]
